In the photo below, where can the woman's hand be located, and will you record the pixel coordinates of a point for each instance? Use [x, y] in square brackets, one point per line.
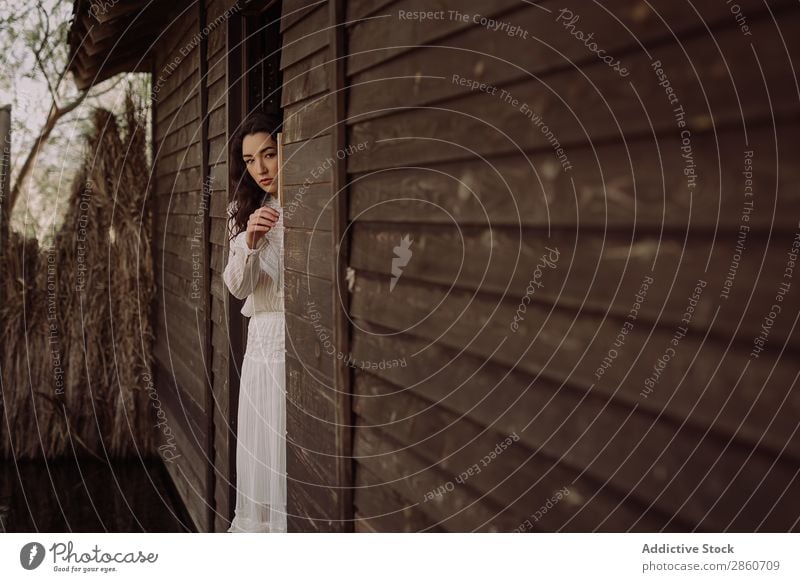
[259, 224]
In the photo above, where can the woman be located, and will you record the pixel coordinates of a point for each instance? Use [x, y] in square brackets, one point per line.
[255, 271]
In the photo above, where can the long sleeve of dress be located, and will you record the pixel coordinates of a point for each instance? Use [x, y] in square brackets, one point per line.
[242, 271]
[245, 265]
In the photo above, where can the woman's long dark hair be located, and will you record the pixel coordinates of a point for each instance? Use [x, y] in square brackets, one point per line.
[248, 194]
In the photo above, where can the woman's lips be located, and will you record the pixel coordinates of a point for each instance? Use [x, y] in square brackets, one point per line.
[265, 181]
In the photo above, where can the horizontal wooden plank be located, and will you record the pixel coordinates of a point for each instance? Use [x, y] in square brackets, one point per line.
[308, 119]
[186, 203]
[359, 9]
[217, 67]
[185, 320]
[177, 138]
[314, 447]
[219, 238]
[313, 473]
[310, 34]
[305, 343]
[409, 476]
[218, 155]
[177, 285]
[296, 10]
[184, 315]
[424, 74]
[177, 96]
[564, 110]
[179, 107]
[379, 509]
[308, 207]
[362, 525]
[386, 34]
[509, 479]
[618, 185]
[630, 453]
[181, 30]
[219, 200]
[179, 160]
[176, 180]
[217, 121]
[172, 68]
[175, 112]
[171, 355]
[306, 78]
[691, 378]
[307, 508]
[314, 401]
[181, 304]
[179, 234]
[183, 418]
[190, 492]
[217, 99]
[599, 273]
[183, 266]
[217, 13]
[308, 297]
[217, 180]
[309, 251]
[308, 162]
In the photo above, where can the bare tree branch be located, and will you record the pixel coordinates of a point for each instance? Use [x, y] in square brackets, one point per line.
[37, 52]
[56, 113]
[46, 43]
[111, 88]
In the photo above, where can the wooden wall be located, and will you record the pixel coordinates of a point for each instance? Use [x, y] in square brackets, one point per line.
[223, 305]
[193, 344]
[181, 308]
[479, 189]
[197, 213]
[317, 453]
[190, 112]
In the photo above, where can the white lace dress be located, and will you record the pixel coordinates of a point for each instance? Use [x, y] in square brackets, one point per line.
[257, 275]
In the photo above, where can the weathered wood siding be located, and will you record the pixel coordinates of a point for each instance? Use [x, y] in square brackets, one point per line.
[316, 456]
[180, 346]
[194, 116]
[216, 83]
[313, 465]
[478, 187]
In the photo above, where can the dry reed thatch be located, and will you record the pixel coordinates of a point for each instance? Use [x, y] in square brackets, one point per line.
[77, 336]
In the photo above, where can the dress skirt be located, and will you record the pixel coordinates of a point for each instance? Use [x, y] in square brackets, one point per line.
[261, 438]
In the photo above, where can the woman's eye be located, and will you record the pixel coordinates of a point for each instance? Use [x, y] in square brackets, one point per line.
[248, 162]
[270, 156]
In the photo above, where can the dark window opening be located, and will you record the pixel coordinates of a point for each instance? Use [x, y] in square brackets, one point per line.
[262, 59]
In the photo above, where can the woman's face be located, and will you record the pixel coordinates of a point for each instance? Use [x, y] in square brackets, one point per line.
[260, 154]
